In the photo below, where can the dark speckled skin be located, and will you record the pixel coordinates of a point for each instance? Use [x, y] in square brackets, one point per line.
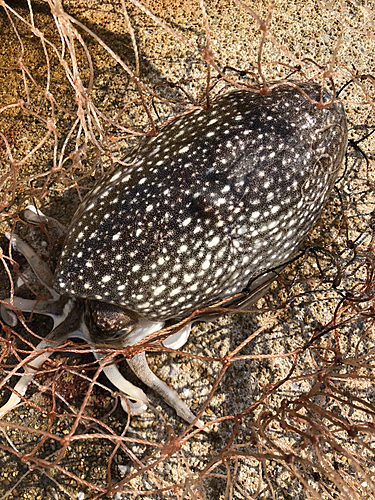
[214, 199]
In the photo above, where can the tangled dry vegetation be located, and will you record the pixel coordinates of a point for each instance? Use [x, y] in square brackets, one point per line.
[287, 392]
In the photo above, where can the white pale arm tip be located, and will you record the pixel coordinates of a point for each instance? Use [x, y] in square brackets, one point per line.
[8, 315]
[178, 339]
[31, 214]
[134, 408]
[40, 268]
[25, 380]
[139, 365]
[126, 388]
[14, 399]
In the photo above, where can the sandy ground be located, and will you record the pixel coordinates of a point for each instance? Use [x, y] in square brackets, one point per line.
[306, 29]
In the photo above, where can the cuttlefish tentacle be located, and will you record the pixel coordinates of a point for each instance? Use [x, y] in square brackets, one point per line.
[63, 331]
[40, 268]
[46, 307]
[25, 380]
[55, 228]
[139, 365]
[62, 310]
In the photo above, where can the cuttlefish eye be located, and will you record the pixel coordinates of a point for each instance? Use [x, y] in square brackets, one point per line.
[107, 321]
